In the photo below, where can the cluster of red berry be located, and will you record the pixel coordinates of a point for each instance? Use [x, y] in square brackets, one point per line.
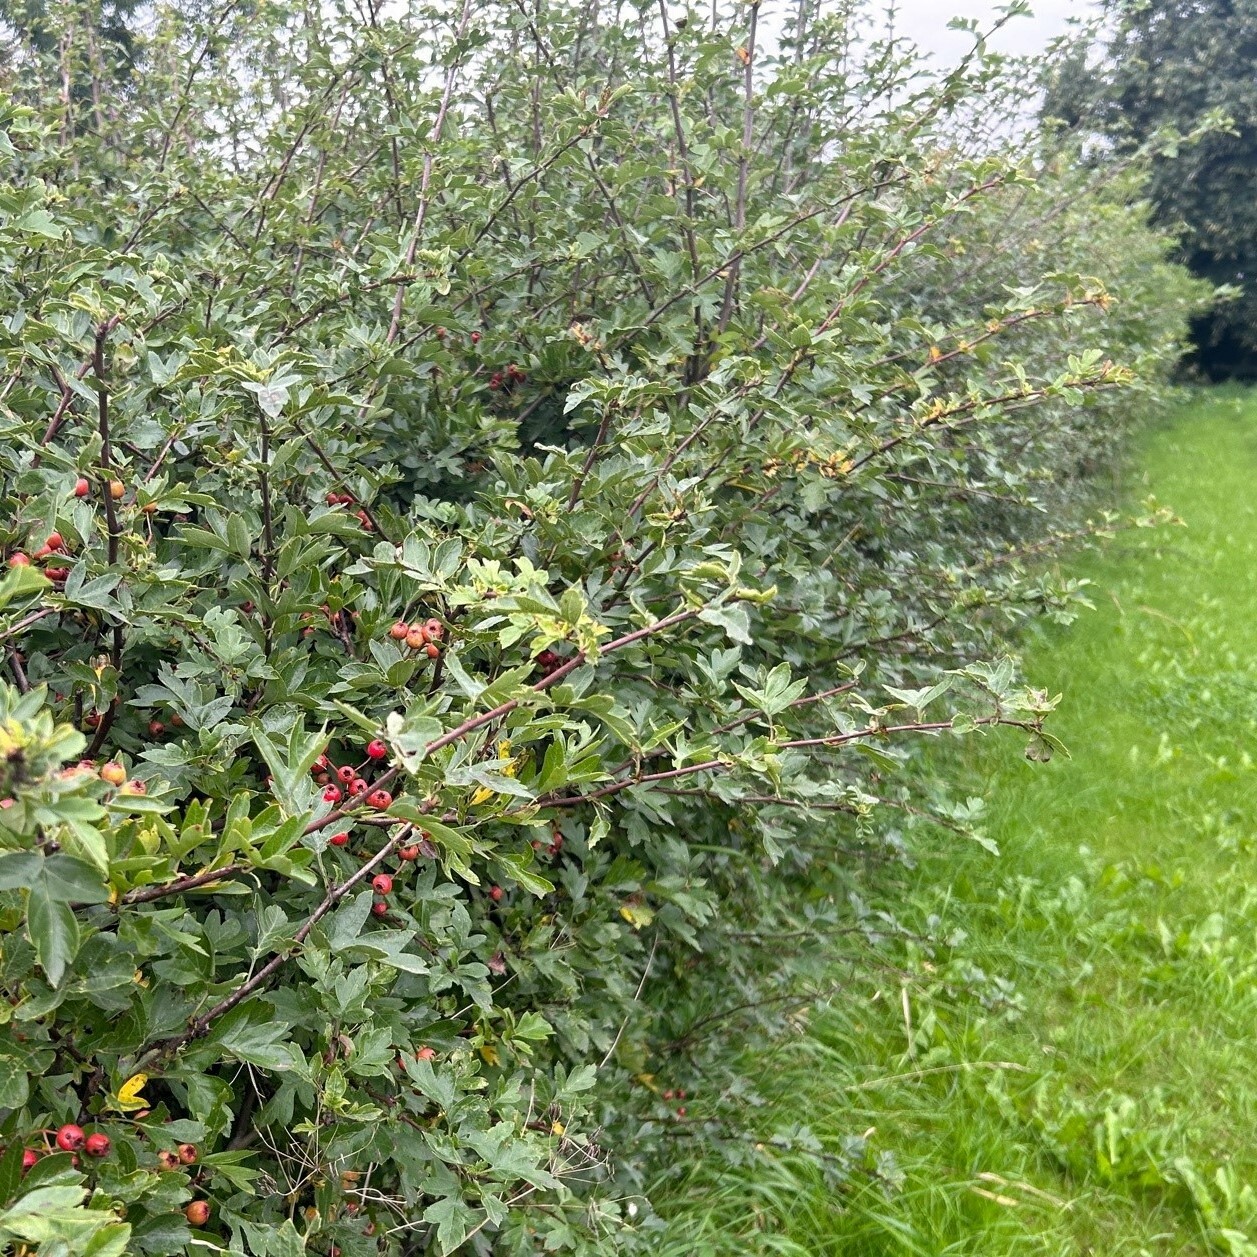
[547, 661]
[425, 637]
[347, 499]
[553, 847]
[382, 883]
[83, 488]
[348, 782]
[54, 546]
[73, 1139]
[512, 375]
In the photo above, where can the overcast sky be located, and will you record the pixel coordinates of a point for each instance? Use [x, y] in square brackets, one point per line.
[925, 21]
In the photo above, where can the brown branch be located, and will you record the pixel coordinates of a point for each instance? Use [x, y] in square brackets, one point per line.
[425, 180]
[723, 765]
[744, 158]
[472, 723]
[106, 462]
[191, 882]
[201, 1024]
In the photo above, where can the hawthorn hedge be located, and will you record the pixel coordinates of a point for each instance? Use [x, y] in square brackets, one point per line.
[492, 497]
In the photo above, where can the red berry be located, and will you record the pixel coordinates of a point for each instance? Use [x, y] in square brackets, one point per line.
[345, 774]
[332, 794]
[156, 728]
[167, 1160]
[57, 573]
[338, 840]
[333, 499]
[365, 520]
[434, 629]
[681, 1111]
[379, 908]
[81, 487]
[495, 893]
[408, 853]
[376, 750]
[475, 338]
[425, 1053]
[19, 560]
[380, 799]
[357, 786]
[382, 884]
[187, 1154]
[432, 650]
[55, 541]
[495, 380]
[399, 630]
[440, 333]
[70, 1137]
[322, 764]
[197, 1212]
[96, 1145]
[29, 1157]
[416, 639]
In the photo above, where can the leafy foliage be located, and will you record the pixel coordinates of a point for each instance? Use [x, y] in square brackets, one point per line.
[683, 400]
[1176, 75]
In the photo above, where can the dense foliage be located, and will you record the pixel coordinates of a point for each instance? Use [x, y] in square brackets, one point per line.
[491, 498]
[1166, 69]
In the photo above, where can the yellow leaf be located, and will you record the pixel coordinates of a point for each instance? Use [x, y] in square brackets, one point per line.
[490, 1053]
[129, 1097]
[557, 1128]
[637, 915]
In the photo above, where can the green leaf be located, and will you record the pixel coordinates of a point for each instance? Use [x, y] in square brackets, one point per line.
[20, 870]
[14, 1086]
[11, 1162]
[346, 924]
[48, 1214]
[517, 870]
[730, 617]
[72, 881]
[452, 1217]
[251, 1035]
[19, 582]
[54, 932]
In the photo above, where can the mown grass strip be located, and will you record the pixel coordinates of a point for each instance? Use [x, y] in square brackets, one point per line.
[1067, 1061]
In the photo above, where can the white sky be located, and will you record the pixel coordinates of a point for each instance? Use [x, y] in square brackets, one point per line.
[925, 22]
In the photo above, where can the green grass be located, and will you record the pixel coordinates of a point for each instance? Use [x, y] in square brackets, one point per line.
[1074, 1070]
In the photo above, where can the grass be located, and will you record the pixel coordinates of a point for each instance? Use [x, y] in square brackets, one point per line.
[1066, 1061]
